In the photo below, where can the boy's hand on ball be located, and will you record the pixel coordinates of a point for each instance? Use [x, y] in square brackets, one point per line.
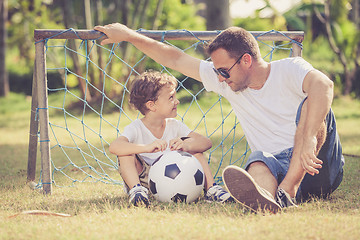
[176, 144]
[157, 146]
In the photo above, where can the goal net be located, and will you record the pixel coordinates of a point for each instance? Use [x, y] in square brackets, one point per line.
[80, 102]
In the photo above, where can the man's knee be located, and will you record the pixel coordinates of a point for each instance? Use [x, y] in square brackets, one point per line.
[257, 166]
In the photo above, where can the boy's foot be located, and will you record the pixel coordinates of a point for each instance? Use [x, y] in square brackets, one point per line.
[284, 199]
[246, 191]
[138, 196]
[217, 193]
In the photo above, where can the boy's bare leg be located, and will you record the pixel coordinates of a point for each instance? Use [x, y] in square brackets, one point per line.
[209, 180]
[129, 169]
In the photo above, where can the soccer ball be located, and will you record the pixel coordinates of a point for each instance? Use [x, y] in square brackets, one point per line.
[176, 176]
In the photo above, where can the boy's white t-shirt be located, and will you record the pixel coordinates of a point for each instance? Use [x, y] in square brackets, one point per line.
[137, 132]
[267, 115]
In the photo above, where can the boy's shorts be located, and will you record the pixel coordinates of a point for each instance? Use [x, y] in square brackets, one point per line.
[143, 176]
[331, 173]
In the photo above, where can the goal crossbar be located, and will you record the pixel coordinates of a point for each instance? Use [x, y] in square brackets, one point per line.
[40, 34]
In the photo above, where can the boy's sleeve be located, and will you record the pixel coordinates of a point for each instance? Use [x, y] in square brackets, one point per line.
[183, 130]
[130, 133]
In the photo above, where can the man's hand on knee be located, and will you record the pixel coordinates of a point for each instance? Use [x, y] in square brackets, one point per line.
[309, 161]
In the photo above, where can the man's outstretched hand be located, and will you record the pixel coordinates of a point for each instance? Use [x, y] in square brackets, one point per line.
[115, 32]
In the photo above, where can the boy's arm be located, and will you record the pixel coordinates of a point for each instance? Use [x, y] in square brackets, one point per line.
[122, 147]
[193, 143]
[162, 53]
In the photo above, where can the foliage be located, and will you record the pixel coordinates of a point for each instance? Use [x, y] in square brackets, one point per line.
[179, 16]
[346, 35]
[309, 17]
[342, 32]
[345, 31]
[26, 16]
[254, 24]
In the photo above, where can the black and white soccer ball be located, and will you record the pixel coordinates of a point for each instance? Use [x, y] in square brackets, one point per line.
[176, 176]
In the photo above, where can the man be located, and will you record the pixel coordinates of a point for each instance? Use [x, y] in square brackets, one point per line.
[283, 108]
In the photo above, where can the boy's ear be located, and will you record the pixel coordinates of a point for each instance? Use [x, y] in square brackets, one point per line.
[150, 105]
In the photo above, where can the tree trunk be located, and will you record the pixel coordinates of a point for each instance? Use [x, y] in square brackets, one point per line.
[338, 51]
[4, 80]
[70, 22]
[143, 14]
[92, 77]
[99, 21]
[217, 14]
[157, 13]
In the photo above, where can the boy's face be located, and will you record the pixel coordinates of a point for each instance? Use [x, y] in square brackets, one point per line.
[166, 104]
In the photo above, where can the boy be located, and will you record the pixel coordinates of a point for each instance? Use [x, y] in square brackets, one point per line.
[143, 141]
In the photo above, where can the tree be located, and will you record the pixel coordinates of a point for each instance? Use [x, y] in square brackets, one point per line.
[69, 22]
[4, 81]
[217, 14]
[343, 36]
[25, 16]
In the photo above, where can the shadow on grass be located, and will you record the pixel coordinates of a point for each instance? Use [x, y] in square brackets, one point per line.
[112, 203]
[99, 197]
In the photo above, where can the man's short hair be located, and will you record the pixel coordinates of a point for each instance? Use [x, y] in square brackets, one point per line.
[146, 87]
[236, 41]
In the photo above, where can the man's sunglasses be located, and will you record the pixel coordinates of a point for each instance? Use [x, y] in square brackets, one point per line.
[225, 73]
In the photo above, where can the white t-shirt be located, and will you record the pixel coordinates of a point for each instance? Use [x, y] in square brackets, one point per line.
[137, 132]
[267, 115]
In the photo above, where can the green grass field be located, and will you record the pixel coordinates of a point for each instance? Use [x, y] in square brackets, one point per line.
[100, 211]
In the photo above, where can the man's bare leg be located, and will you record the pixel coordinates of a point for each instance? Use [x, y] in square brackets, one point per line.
[263, 177]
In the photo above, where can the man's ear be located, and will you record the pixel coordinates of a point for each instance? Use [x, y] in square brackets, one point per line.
[247, 58]
[150, 105]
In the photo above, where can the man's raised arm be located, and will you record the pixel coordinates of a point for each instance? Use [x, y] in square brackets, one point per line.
[160, 52]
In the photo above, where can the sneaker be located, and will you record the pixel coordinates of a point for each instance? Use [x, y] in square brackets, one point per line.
[217, 194]
[284, 199]
[247, 192]
[138, 196]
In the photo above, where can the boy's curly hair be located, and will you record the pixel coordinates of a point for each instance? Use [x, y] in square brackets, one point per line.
[146, 87]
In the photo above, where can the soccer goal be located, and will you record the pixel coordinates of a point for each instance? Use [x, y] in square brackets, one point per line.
[80, 102]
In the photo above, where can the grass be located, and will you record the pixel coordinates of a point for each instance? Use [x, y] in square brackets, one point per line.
[100, 211]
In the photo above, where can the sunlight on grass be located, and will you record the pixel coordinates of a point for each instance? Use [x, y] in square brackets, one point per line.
[347, 113]
[101, 210]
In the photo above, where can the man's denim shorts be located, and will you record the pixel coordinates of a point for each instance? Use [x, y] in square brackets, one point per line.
[331, 173]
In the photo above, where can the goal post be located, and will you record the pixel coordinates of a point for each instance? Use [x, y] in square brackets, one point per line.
[40, 127]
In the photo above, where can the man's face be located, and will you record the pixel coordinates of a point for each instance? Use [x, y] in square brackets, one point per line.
[238, 79]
